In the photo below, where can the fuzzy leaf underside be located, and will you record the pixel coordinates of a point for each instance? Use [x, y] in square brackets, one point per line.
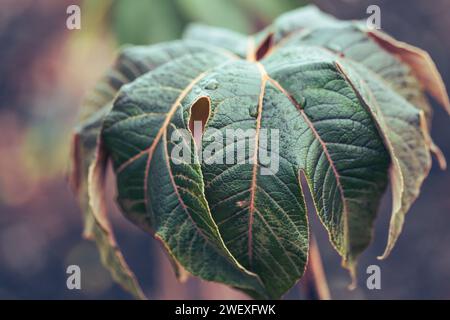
[350, 112]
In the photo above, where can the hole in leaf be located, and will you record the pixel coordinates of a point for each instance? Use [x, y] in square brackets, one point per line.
[199, 116]
[264, 47]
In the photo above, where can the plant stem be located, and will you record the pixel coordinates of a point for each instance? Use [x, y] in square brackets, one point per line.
[315, 286]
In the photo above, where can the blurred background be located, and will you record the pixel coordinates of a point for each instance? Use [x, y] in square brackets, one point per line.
[45, 71]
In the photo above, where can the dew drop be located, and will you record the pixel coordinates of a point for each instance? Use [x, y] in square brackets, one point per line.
[302, 102]
[253, 112]
[335, 47]
[197, 90]
[212, 84]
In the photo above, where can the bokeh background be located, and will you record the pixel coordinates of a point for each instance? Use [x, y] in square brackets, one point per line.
[45, 69]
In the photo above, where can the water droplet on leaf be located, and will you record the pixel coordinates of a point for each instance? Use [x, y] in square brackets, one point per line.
[302, 102]
[212, 84]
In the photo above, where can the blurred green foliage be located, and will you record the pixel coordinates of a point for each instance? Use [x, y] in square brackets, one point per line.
[151, 21]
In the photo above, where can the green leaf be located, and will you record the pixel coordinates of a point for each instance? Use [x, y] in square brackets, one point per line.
[346, 170]
[87, 156]
[131, 63]
[406, 138]
[308, 97]
[161, 197]
[303, 19]
[96, 226]
[392, 70]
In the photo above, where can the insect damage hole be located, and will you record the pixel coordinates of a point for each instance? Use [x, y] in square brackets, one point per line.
[199, 116]
[265, 47]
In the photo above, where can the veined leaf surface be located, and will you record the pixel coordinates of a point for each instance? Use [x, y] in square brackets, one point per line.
[345, 106]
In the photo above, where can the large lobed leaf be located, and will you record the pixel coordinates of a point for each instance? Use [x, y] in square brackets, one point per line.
[351, 114]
